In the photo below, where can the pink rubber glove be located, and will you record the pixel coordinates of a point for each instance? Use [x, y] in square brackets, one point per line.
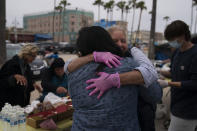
[103, 83]
[108, 58]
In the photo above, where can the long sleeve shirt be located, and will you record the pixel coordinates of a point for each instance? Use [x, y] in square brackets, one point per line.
[184, 70]
[116, 110]
[145, 67]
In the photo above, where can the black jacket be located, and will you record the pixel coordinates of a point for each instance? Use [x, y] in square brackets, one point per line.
[10, 91]
[46, 83]
[184, 70]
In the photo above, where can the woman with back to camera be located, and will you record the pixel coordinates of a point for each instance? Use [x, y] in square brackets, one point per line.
[117, 109]
[149, 94]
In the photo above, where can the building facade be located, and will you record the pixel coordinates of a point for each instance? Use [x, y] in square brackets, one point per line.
[63, 26]
[107, 24]
[16, 35]
[143, 36]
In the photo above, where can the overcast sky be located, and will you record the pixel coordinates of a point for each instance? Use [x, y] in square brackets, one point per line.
[175, 9]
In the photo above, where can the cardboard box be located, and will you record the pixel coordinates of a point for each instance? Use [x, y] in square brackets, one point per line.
[34, 121]
[59, 113]
[65, 114]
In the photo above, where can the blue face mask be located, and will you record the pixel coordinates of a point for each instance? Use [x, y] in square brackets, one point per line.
[175, 44]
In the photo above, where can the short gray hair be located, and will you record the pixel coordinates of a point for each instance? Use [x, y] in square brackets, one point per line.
[116, 28]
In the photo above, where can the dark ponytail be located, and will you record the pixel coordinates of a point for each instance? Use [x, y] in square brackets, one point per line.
[96, 38]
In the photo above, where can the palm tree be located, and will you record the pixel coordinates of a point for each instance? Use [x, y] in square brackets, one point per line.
[59, 8]
[108, 6]
[2, 32]
[166, 18]
[54, 19]
[142, 7]
[133, 2]
[64, 3]
[127, 9]
[151, 52]
[112, 3]
[121, 5]
[99, 3]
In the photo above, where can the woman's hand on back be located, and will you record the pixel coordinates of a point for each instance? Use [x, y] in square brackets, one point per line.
[107, 58]
[103, 83]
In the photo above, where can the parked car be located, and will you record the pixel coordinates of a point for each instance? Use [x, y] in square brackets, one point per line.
[69, 48]
[63, 44]
[12, 49]
[38, 66]
[55, 47]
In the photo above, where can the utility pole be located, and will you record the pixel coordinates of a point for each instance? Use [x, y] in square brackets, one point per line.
[132, 26]
[2, 31]
[151, 53]
[54, 20]
[15, 23]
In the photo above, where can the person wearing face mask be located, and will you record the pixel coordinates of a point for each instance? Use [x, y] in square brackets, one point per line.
[54, 79]
[183, 75]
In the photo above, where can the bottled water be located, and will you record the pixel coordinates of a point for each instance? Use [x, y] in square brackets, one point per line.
[12, 118]
[13, 123]
[5, 124]
[22, 120]
[8, 120]
[0, 115]
[1, 121]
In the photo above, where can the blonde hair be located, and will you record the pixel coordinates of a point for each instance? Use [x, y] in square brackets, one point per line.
[117, 28]
[27, 49]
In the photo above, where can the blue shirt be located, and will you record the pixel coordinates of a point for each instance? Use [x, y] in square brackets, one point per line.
[145, 67]
[117, 108]
[60, 81]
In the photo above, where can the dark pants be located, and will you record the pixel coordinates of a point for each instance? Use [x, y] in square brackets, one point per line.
[146, 115]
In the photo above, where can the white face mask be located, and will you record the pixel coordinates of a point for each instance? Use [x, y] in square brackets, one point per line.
[175, 44]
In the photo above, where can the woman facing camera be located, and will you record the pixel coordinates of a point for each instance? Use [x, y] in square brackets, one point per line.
[117, 109]
[54, 79]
